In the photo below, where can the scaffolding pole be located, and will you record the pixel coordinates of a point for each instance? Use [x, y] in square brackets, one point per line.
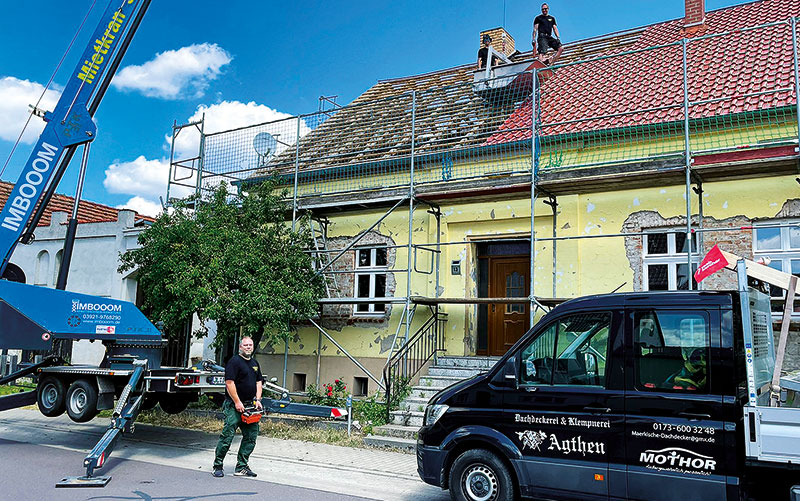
[437, 213]
[796, 80]
[531, 306]
[688, 166]
[699, 191]
[200, 162]
[296, 173]
[410, 213]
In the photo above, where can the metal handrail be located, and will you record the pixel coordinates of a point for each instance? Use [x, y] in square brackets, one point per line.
[423, 345]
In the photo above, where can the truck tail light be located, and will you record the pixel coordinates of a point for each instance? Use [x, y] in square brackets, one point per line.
[186, 379]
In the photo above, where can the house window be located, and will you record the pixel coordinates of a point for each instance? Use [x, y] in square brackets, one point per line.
[370, 279]
[664, 261]
[782, 247]
[42, 272]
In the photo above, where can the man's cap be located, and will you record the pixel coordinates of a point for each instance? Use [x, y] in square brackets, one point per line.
[487, 38]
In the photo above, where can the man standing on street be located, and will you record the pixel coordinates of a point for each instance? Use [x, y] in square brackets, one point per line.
[243, 385]
[543, 40]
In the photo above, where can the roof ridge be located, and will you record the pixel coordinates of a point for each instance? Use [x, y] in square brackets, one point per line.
[84, 205]
[612, 34]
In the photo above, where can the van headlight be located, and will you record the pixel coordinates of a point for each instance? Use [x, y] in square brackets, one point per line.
[433, 413]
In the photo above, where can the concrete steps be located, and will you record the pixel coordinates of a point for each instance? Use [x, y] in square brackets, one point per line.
[385, 441]
[401, 433]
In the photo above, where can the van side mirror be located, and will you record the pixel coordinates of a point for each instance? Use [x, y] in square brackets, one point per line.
[510, 373]
[591, 363]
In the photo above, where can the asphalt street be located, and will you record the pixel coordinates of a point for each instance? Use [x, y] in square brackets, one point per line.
[131, 480]
[174, 464]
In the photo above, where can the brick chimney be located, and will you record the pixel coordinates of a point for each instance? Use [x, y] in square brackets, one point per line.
[695, 13]
[501, 41]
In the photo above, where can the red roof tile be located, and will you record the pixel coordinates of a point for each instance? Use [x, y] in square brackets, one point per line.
[88, 212]
[643, 87]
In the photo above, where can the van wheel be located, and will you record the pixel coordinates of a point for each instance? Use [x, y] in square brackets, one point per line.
[82, 401]
[479, 475]
[50, 396]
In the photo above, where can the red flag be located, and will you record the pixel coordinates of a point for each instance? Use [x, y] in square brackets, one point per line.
[713, 262]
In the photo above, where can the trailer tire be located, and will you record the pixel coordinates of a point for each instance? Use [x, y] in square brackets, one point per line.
[172, 403]
[82, 401]
[51, 393]
[149, 402]
[480, 475]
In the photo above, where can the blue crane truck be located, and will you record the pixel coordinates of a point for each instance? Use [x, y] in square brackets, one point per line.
[131, 376]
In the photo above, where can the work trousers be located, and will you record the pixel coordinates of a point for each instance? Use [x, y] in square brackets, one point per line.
[249, 433]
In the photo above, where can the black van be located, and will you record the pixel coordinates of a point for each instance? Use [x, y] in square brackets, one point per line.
[622, 396]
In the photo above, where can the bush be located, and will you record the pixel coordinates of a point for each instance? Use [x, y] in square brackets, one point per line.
[369, 413]
[331, 394]
[401, 389]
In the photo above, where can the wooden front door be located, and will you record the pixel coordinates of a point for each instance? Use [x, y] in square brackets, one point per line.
[508, 277]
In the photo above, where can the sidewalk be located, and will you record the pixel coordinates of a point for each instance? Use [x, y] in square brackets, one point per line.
[374, 474]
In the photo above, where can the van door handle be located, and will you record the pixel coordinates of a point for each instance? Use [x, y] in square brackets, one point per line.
[694, 417]
[597, 410]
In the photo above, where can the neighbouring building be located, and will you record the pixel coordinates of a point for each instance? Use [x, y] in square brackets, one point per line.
[451, 209]
[103, 234]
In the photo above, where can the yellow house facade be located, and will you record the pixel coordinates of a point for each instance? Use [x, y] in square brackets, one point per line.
[420, 193]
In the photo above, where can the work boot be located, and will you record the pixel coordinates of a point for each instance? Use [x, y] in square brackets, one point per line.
[245, 472]
[218, 472]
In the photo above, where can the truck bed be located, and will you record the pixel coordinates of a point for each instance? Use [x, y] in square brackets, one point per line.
[772, 434]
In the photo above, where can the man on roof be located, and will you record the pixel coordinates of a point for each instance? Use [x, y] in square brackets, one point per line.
[543, 40]
[483, 53]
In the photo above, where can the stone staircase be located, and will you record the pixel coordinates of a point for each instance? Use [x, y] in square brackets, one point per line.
[401, 433]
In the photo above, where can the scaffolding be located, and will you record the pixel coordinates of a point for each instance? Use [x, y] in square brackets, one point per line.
[644, 115]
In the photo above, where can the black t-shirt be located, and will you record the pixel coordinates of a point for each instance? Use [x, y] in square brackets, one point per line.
[545, 23]
[244, 374]
[483, 53]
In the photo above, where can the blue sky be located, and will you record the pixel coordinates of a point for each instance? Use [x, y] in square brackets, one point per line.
[247, 62]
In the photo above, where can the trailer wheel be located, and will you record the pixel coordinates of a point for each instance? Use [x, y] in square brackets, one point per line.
[479, 475]
[50, 396]
[172, 403]
[82, 401]
[150, 402]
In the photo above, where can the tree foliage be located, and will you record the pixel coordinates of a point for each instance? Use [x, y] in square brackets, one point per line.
[228, 258]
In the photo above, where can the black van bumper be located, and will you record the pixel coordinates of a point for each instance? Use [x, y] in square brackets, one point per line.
[430, 463]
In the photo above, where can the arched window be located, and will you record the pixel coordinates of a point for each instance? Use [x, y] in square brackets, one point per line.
[57, 265]
[42, 273]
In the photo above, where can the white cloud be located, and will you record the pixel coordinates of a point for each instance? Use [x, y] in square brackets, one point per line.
[146, 180]
[142, 206]
[140, 177]
[15, 96]
[173, 74]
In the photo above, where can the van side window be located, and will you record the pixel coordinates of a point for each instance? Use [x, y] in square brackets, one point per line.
[571, 351]
[671, 351]
[536, 359]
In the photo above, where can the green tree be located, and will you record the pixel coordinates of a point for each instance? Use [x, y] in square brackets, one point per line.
[229, 258]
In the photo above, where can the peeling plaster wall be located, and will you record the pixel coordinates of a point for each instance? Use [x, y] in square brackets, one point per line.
[583, 266]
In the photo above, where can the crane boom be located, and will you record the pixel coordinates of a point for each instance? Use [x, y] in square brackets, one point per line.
[70, 123]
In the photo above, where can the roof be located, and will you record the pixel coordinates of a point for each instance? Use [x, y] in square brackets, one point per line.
[611, 91]
[377, 125]
[588, 91]
[88, 212]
